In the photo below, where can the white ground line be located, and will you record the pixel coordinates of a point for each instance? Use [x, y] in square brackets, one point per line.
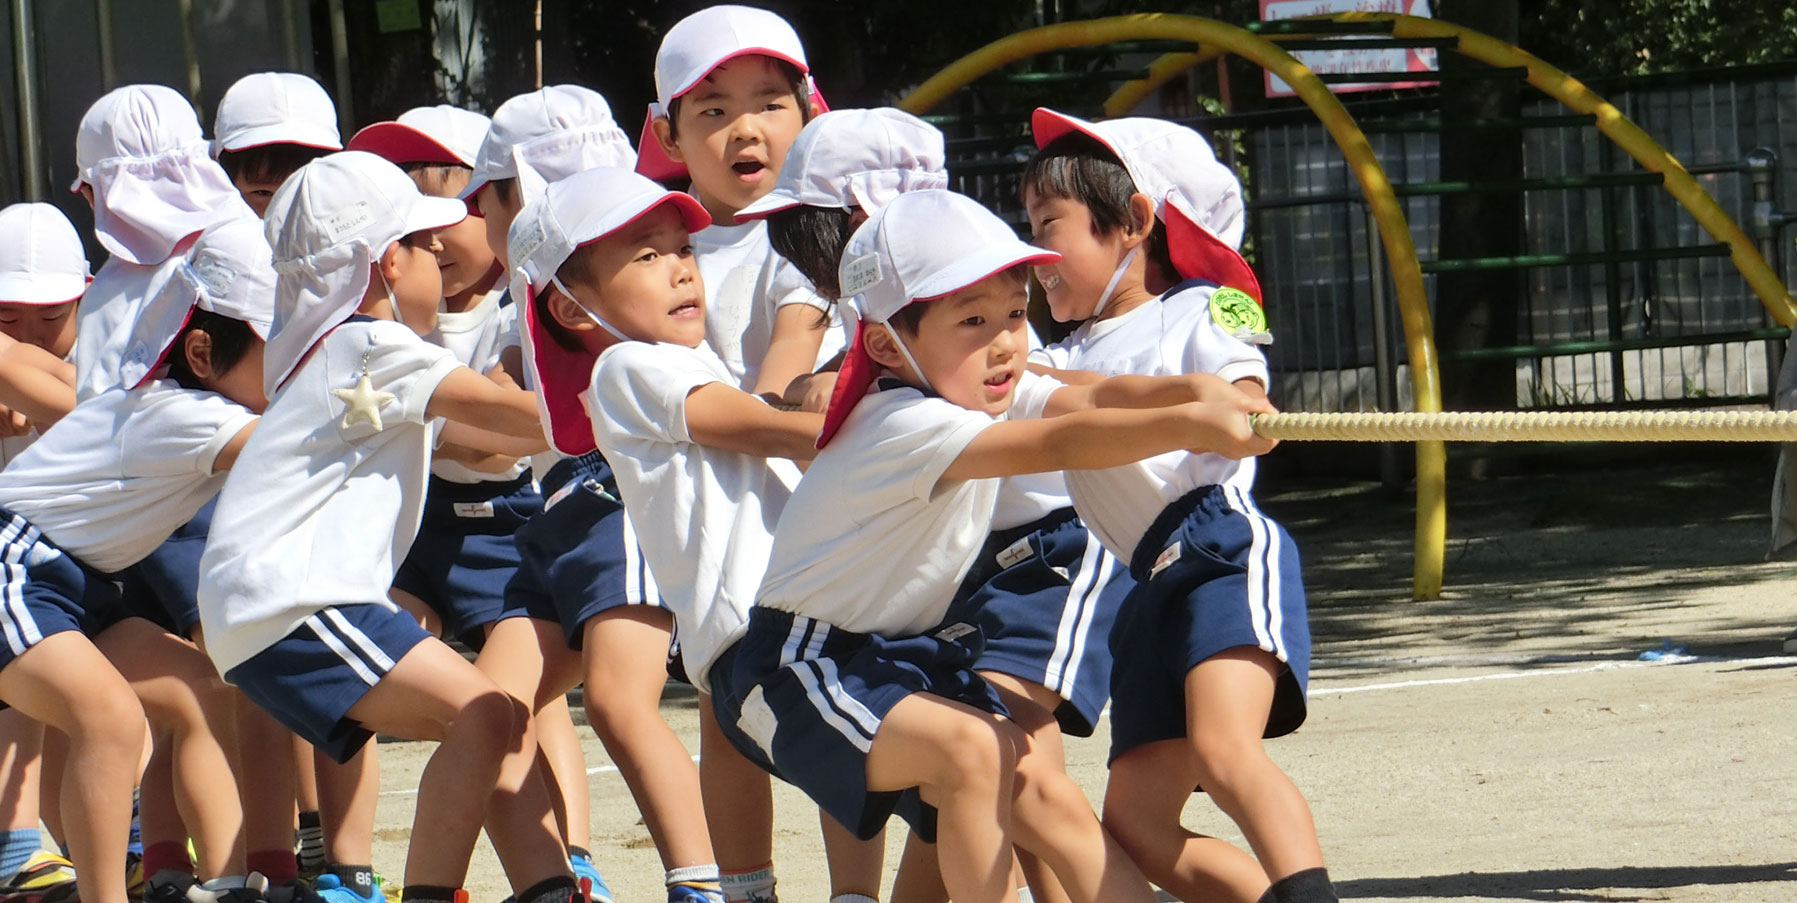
[1767, 661]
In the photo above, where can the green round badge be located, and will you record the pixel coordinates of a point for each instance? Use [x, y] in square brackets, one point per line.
[1235, 310]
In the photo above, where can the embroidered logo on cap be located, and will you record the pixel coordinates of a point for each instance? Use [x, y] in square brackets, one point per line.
[861, 274]
[213, 276]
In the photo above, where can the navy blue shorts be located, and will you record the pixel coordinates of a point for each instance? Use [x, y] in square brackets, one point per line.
[803, 700]
[41, 587]
[464, 556]
[164, 587]
[1212, 573]
[311, 678]
[1044, 596]
[578, 557]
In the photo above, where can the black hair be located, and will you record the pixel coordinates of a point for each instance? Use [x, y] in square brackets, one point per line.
[1078, 167]
[812, 239]
[908, 317]
[431, 177]
[506, 190]
[269, 162]
[577, 268]
[801, 91]
[231, 340]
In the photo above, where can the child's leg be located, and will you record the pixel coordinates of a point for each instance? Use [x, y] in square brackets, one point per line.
[518, 655]
[431, 693]
[21, 757]
[1147, 790]
[1032, 708]
[191, 709]
[168, 869]
[347, 792]
[64, 682]
[919, 877]
[739, 808]
[626, 665]
[854, 864]
[962, 761]
[265, 786]
[49, 785]
[559, 743]
[1227, 699]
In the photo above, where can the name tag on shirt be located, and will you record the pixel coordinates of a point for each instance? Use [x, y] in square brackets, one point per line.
[473, 509]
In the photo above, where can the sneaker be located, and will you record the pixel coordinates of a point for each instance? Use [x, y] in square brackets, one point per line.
[1791, 643]
[296, 891]
[168, 886]
[41, 872]
[331, 889]
[134, 876]
[254, 889]
[686, 893]
[587, 875]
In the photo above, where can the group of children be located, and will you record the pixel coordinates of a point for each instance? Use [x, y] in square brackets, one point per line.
[784, 434]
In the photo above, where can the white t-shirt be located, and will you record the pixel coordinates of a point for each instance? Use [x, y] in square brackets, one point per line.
[746, 284]
[1027, 498]
[105, 317]
[1173, 334]
[476, 336]
[704, 516]
[318, 513]
[873, 539]
[115, 476]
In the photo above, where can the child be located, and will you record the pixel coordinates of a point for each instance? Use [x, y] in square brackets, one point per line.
[1213, 647]
[732, 92]
[95, 495]
[141, 162]
[269, 124]
[43, 274]
[864, 698]
[335, 476]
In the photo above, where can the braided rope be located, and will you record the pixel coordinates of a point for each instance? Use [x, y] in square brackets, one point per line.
[1535, 426]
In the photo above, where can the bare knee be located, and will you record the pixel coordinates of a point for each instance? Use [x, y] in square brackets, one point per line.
[976, 754]
[492, 713]
[1224, 761]
[111, 718]
[613, 715]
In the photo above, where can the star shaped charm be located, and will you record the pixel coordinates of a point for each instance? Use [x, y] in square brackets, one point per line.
[364, 403]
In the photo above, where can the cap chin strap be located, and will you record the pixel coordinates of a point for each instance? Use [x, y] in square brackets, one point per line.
[392, 300]
[908, 358]
[597, 320]
[1110, 288]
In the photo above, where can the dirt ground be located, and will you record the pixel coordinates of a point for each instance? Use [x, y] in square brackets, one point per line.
[1501, 744]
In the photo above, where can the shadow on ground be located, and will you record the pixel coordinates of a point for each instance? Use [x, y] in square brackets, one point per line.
[1567, 884]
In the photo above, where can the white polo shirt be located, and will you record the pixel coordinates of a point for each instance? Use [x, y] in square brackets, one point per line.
[115, 476]
[704, 516]
[746, 285]
[873, 539]
[317, 512]
[476, 336]
[1173, 334]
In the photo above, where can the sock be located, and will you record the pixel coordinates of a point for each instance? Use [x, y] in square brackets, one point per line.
[430, 893]
[278, 866]
[166, 856]
[1025, 895]
[16, 846]
[559, 889]
[702, 878]
[854, 898]
[311, 842]
[1307, 886]
[359, 878]
[753, 886]
[225, 882]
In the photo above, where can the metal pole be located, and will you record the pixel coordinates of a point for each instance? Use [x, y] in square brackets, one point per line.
[31, 176]
[290, 31]
[109, 60]
[190, 54]
[1385, 377]
[340, 57]
[1764, 222]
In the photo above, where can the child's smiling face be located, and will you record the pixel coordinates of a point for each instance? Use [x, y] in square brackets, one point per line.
[732, 131]
[1088, 259]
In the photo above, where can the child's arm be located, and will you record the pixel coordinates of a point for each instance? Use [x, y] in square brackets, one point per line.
[227, 456]
[792, 351]
[1110, 437]
[470, 443]
[470, 398]
[35, 383]
[1133, 391]
[721, 416]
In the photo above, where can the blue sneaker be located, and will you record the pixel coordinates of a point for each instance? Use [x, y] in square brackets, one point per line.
[585, 871]
[686, 893]
[331, 889]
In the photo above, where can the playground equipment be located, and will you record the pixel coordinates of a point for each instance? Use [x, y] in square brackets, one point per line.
[1202, 40]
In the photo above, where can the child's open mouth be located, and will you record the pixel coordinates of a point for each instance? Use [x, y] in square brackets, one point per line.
[998, 384]
[685, 310]
[749, 170]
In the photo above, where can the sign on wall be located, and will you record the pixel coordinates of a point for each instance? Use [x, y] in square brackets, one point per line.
[1337, 61]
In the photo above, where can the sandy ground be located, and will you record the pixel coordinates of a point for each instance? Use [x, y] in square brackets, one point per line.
[1501, 744]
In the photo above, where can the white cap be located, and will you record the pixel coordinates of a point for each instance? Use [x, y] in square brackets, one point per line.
[855, 158]
[229, 271]
[141, 150]
[1197, 198]
[439, 134]
[921, 246]
[578, 210]
[702, 42]
[547, 135]
[327, 225]
[275, 108]
[41, 258]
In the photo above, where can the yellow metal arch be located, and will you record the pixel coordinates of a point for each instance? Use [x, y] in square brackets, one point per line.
[1394, 232]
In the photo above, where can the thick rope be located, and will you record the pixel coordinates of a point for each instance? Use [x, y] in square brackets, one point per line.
[1535, 426]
